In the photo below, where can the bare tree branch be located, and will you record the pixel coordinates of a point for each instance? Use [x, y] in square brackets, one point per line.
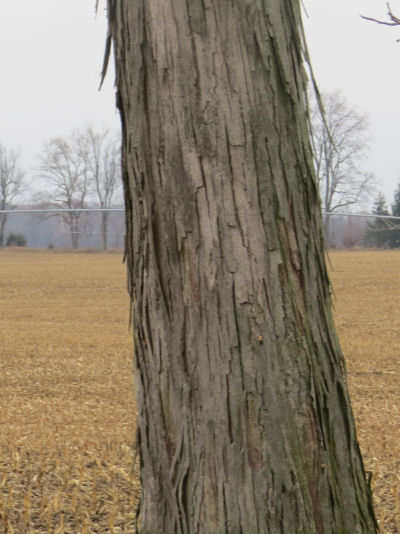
[395, 21]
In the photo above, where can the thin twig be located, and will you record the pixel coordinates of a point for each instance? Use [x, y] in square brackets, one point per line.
[380, 21]
[395, 20]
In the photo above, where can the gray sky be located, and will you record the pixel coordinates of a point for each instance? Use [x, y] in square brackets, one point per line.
[51, 55]
[362, 59]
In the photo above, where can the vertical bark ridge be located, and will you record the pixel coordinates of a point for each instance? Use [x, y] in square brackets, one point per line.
[244, 418]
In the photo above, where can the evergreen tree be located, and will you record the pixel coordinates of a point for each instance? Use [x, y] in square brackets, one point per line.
[377, 233]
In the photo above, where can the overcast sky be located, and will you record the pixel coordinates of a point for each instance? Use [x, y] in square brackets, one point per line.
[362, 59]
[51, 55]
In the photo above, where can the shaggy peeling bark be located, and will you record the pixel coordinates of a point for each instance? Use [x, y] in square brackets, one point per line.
[245, 423]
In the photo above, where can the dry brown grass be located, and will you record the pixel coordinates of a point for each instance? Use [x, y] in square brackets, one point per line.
[367, 314]
[66, 417]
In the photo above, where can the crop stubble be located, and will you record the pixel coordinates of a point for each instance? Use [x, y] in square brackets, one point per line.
[66, 403]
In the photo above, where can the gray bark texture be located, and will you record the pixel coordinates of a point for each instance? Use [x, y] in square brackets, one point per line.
[245, 424]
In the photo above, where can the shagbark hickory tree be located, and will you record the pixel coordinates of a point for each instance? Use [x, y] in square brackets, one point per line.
[244, 419]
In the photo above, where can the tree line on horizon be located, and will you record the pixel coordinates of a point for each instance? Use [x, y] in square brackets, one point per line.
[78, 171]
[84, 169]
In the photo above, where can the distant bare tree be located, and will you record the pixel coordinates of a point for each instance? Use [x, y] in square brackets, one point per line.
[340, 146]
[11, 185]
[81, 168]
[101, 152]
[66, 176]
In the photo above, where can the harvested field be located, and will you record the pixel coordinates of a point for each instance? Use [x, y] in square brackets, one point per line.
[66, 417]
[367, 295]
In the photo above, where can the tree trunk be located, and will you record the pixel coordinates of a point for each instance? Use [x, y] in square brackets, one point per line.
[74, 227]
[327, 230]
[244, 419]
[104, 229]
[3, 221]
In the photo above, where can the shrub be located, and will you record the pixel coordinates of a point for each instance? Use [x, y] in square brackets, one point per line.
[16, 240]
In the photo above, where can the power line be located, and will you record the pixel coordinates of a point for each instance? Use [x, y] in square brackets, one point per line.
[99, 210]
[59, 210]
[370, 215]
